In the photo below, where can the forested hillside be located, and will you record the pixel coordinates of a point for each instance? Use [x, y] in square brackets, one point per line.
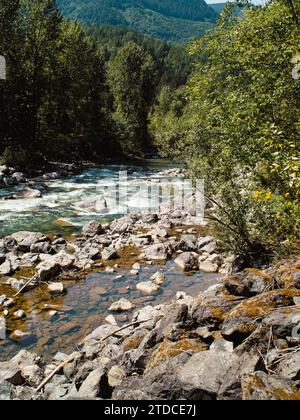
[236, 124]
[72, 92]
[176, 20]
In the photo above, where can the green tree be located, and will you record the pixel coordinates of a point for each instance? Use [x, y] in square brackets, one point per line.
[132, 81]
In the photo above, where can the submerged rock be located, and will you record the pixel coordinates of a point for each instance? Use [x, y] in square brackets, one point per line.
[148, 287]
[121, 305]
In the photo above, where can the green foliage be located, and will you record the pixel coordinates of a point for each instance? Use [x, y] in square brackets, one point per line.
[240, 128]
[173, 20]
[131, 77]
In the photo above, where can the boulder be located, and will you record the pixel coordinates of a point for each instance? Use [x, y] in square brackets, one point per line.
[95, 385]
[92, 229]
[148, 287]
[259, 386]
[289, 367]
[6, 391]
[12, 371]
[29, 193]
[109, 254]
[96, 204]
[156, 252]
[187, 261]
[188, 243]
[202, 376]
[245, 317]
[56, 288]
[33, 375]
[116, 375]
[208, 267]
[121, 306]
[160, 383]
[212, 305]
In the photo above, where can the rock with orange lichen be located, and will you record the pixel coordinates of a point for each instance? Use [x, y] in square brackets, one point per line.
[245, 318]
[168, 350]
[259, 386]
[212, 306]
[248, 283]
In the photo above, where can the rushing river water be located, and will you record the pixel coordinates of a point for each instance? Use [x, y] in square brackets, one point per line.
[62, 199]
[85, 304]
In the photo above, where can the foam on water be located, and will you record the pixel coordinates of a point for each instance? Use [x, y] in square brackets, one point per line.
[62, 199]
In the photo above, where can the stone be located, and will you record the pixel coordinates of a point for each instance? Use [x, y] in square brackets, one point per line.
[6, 268]
[148, 287]
[208, 267]
[222, 346]
[231, 388]
[110, 319]
[20, 314]
[289, 367]
[92, 229]
[49, 269]
[259, 386]
[95, 385]
[41, 248]
[19, 177]
[243, 319]
[116, 375]
[159, 383]
[6, 391]
[56, 288]
[96, 204]
[212, 305]
[121, 306]
[156, 252]
[158, 278]
[29, 193]
[159, 232]
[11, 371]
[202, 376]
[188, 243]
[187, 261]
[33, 375]
[109, 254]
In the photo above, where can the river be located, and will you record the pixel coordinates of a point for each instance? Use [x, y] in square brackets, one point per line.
[85, 304]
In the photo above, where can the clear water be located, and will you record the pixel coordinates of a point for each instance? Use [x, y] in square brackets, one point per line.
[62, 199]
[85, 303]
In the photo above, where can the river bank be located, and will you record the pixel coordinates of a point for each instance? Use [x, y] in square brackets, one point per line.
[197, 328]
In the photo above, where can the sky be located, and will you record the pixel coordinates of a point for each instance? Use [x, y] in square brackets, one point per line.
[224, 1]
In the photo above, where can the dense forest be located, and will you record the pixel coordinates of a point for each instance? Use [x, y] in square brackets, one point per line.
[236, 124]
[84, 93]
[173, 20]
[228, 106]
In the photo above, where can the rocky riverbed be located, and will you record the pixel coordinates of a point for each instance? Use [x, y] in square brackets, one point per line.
[236, 336]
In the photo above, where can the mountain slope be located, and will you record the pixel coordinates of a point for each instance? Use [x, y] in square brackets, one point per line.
[174, 20]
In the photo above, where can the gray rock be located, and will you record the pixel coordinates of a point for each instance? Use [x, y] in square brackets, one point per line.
[121, 306]
[188, 243]
[231, 388]
[109, 254]
[290, 367]
[202, 376]
[187, 261]
[33, 375]
[6, 391]
[259, 386]
[148, 287]
[95, 385]
[156, 252]
[92, 229]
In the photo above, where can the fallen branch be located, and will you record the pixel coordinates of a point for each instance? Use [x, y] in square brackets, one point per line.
[57, 370]
[78, 356]
[133, 324]
[24, 287]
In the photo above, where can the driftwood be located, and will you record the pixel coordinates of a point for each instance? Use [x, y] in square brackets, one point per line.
[57, 370]
[78, 356]
[24, 287]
